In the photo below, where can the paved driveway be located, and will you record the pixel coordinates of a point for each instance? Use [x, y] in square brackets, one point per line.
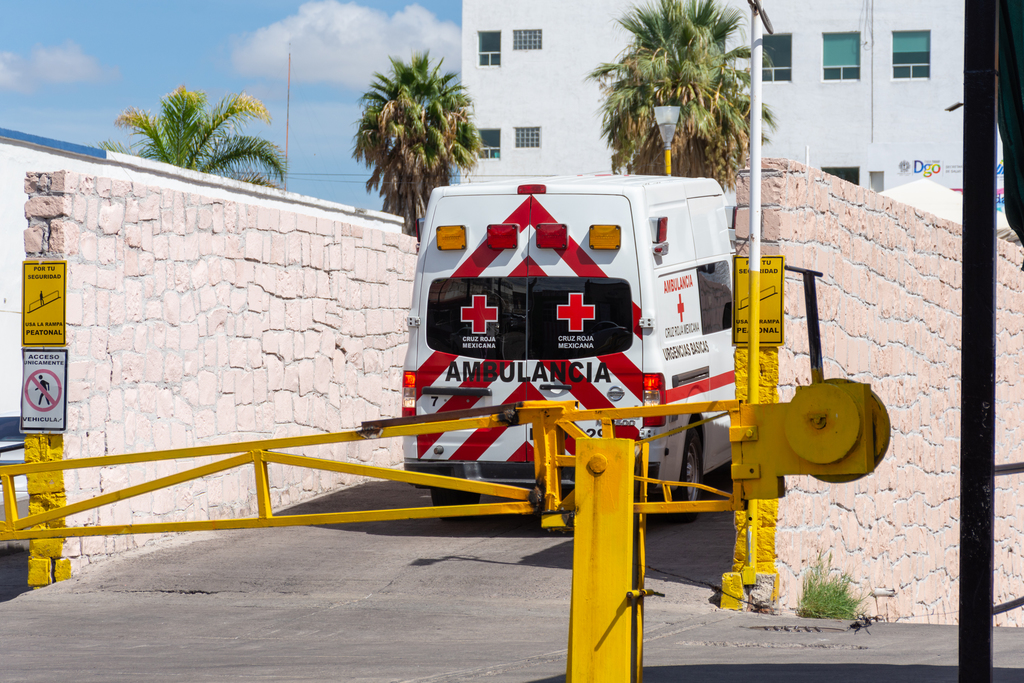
[424, 600]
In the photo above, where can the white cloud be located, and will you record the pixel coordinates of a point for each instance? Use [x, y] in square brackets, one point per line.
[60, 64]
[344, 44]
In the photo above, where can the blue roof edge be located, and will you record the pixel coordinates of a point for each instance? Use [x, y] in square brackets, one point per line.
[55, 144]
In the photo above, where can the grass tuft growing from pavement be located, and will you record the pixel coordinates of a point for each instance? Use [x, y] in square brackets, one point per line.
[828, 593]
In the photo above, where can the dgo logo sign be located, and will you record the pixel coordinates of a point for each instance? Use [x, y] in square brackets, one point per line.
[927, 168]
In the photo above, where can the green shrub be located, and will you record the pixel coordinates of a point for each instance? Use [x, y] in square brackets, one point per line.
[828, 593]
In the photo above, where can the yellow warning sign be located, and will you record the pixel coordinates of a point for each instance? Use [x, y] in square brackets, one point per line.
[772, 322]
[44, 284]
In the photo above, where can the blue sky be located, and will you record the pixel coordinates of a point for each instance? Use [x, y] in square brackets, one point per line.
[68, 68]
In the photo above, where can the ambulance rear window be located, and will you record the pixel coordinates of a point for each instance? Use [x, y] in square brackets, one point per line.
[479, 317]
[576, 317]
[537, 318]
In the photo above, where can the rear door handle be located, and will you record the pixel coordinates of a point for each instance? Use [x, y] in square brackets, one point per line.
[457, 391]
[549, 387]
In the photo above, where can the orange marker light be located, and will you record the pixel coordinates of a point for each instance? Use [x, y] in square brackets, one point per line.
[451, 237]
[605, 237]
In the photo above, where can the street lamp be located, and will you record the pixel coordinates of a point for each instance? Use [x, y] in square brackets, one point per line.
[667, 118]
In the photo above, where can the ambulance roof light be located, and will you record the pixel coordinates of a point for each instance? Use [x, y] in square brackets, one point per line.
[503, 236]
[605, 237]
[552, 236]
[451, 237]
[532, 189]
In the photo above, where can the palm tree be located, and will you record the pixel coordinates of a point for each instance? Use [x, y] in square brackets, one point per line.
[678, 56]
[414, 133]
[189, 134]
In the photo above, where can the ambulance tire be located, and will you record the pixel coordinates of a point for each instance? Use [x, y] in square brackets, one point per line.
[442, 497]
[691, 471]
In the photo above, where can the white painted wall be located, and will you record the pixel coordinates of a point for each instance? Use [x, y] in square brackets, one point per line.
[874, 123]
[18, 156]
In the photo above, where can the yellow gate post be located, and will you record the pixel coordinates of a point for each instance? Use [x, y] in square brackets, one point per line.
[754, 554]
[46, 492]
[601, 615]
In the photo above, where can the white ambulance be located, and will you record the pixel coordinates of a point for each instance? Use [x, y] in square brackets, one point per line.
[609, 290]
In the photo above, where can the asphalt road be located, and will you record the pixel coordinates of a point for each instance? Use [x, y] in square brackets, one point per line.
[417, 601]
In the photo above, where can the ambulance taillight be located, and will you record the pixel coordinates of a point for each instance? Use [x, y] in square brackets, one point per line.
[662, 229]
[654, 395]
[532, 189]
[503, 236]
[552, 236]
[408, 394]
[660, 236]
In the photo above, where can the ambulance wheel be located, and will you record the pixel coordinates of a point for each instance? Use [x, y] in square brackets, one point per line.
[442, 497]
[690, 472]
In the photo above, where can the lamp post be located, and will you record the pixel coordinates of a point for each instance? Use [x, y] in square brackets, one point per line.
[667, 118]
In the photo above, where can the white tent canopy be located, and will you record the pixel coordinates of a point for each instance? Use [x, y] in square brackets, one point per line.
[929, 196]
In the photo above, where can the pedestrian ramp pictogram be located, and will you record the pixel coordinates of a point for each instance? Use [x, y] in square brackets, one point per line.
[44, 300]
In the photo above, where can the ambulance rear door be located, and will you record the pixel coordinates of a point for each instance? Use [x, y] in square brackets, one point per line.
[471, 348]
[584, 306]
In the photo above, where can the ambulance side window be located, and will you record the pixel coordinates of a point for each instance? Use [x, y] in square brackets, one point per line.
[715, 288]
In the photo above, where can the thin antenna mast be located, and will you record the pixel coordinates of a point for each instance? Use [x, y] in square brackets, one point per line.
[287, 115]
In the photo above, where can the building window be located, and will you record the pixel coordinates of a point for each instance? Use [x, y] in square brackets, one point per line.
[877, 180]
[841, 56]
[491, 147]
[527, 40]
[527, 137]
[850, 174]
[911, 54]
[490, 48]
[779, 50]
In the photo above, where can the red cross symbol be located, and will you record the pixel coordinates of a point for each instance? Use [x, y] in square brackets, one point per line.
[680, 308]
[575, 312]
[479, 314]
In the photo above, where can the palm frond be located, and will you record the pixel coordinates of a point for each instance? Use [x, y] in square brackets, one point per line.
[414, 131]
[677, 55]
[189, 134]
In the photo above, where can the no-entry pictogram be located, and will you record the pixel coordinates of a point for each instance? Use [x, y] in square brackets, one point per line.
[575, 312]
[479, 314]
[44, 390]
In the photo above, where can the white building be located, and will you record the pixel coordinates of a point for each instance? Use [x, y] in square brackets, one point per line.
[860, 89]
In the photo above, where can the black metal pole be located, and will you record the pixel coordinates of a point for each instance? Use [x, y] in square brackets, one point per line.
[813, 327]
[978, 350]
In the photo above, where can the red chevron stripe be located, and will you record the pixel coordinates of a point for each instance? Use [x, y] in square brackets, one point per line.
[627, 372]
[692, 389]
[425, 441]
[483, 255]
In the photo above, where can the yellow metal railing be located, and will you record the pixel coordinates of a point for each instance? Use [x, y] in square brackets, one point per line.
[552, 422]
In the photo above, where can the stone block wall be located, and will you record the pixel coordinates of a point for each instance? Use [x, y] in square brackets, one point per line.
[890, 307]
[194, 320]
